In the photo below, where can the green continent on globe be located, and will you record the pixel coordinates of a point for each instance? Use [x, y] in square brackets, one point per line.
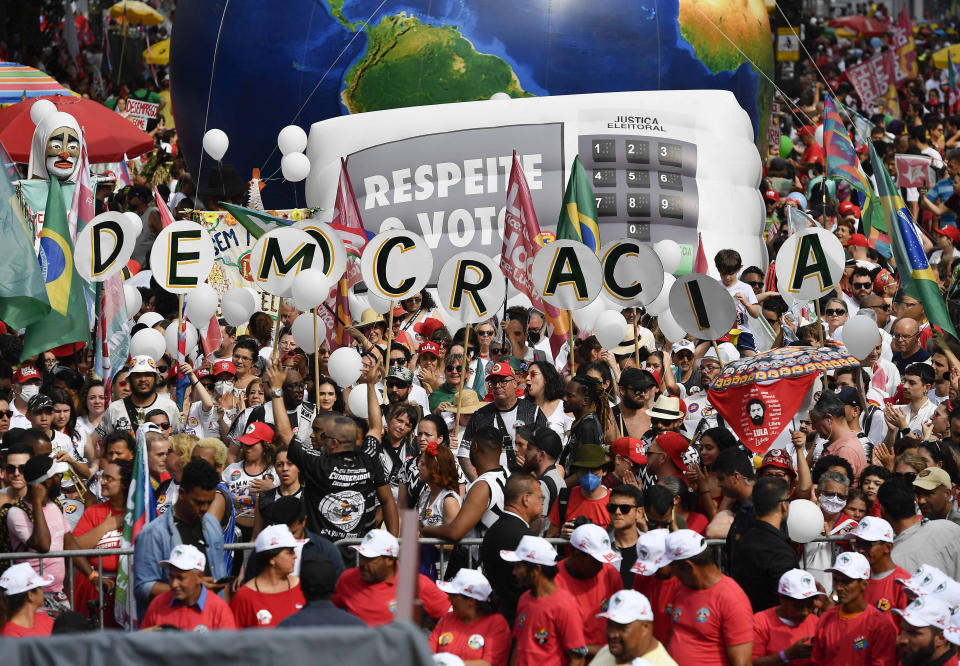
[410, 63]
[336, 9]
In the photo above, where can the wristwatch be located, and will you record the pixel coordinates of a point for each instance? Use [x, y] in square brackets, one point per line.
[278, 393]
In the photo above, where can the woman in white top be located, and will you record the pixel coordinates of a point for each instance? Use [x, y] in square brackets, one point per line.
[68, 447]
[93, 405]
[251, 475]
[835, 314]
[545, 387]
[417, 309]
[439, 503]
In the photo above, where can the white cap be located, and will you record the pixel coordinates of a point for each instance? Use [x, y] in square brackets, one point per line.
[186, 558]
[626, 606]
[651, 552]
[852, 565]
[952, 632]
[728, 353]
[469, 583]
[871, 528]
[143, 363]
[378, 543]
[595, 542]
[798, 584]
[535, 550]
[949, 592]
[447, 659]
[150, 319]
[928, 611]
[273, 537]
[683, 544]
[58, 467]
[683, 345]
[924, 579]
[21, 577]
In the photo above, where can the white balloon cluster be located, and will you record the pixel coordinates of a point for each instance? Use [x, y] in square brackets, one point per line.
[294, 165]
[215, 143]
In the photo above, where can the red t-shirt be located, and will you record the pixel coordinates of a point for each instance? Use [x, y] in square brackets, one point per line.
[706, 622]
[90, 519]
[659, 593]
[697, 522]
[375, 603]
[261, 610]
[215, 614]
[869, 637]
[886, 593]
[771, 634]
[42, 626]
[813, 153]
[487, 638]
[594, 509]
[592, 595]
[546, 628]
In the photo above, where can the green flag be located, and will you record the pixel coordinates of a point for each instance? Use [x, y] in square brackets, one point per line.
[578, 217]
[23, 296]
[255, 221]
[67, 320]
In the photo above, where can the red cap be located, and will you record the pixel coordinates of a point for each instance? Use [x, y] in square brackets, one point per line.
[806, 129]
[849, 208]
[256, 432]
[202, 373]
[859, 240]
[68, 349]
[882, 279]
[398, 312]
[653, 373]
[502, 369]
[224, 366]
[674, 444]
[778, 458]
[25, 373]
[429, 348]
[950, 232]
[771, 195]
[629, 447]
[428, 327]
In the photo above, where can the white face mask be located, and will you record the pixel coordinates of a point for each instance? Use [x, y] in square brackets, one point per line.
[833, 504]
[223, 387]
[29, 391]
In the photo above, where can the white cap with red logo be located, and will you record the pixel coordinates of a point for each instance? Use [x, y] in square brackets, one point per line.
[535, 550]
[595, 542]
[684, 544]
[651, 552]
[186, 558]
[851, 565]
[928, 611]
[871, 528]
[798, 584]
[378, 543]
[273, 537]
[469, 583]
[626, 606]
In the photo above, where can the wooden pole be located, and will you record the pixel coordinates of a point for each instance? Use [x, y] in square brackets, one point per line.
[820, 332]
[386, 355]
[571, 363]
[465, 363]
[316, 357]
[636, 341]
[716, 349]
[276, 336]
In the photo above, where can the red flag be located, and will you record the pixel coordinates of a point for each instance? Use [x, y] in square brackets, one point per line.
[700, 263]
[914, 171]
[82, 208]
[904, 49]
[166, 217]
[521, 240]
[346, 215]
[869, 79]
[212, 338]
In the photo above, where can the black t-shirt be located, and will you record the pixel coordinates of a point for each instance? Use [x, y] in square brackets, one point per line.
[629, 555]
[339, 490]
[587, 431]
[192, 535]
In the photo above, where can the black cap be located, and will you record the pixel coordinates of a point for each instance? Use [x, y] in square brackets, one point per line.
[36, 468]
[849, 396]
[39, 403]
[547, 441]
[139, 191]
[637, 379]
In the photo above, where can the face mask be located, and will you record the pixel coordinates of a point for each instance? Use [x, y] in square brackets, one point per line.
[833, 504]
[533, 337]
[29, 391]
[589, 482]
[223, 387]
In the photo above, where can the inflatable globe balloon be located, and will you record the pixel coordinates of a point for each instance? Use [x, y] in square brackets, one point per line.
[860, 336]
[238, 305]
[804, 521]
[315, 59]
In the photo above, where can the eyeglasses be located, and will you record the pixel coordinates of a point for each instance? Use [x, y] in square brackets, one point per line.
[414, 299]
[842, 496]
[397, 361]
[454, 368]
[396, 384]
[123, 383]
[756, 283]
[833, 312]
[485, 334]
[496, 381]
[496, 351]
[901, 336]
[15, 469]
[909, 476]
[165, 426]
[162, 368]
[243, 359]
[658, 524]
[7, 413]
[294, 387]
[620, 508]
[862, 285]
[885, 307]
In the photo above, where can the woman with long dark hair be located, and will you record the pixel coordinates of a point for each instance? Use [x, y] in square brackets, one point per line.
[275, 593]
[329, 396]
[65, 422]
[585, 399]
[702, 478]
[439, 503]
[416, 309]
[93, 405]
[545, 387]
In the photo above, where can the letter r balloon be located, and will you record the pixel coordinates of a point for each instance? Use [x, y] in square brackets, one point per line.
[470, 287]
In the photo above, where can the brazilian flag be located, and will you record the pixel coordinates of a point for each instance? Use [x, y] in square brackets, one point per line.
[67, 320]
[578, 217]
[916, 277]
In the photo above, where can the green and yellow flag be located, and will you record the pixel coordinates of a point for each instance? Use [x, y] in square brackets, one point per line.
[578, 217]
[67, 320]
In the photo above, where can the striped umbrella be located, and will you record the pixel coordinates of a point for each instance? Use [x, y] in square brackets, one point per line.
[18, 82]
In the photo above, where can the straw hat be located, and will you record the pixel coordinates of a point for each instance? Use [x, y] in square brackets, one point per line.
[468, 400]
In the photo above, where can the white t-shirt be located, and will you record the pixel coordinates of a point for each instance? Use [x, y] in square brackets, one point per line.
[238, 481]
[200, 423]
[937, 256]
[117, 419]
[743, 319]
[560, 422]
[919, 418]
[934, 155]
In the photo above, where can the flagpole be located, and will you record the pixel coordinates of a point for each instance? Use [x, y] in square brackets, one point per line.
[316, 358]
[572, 364]
[276, 333]
[458, 398]
[386, 355]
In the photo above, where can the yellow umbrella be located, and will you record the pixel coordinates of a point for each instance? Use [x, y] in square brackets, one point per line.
[136, 13]
[846, 34]
[157, 54]
[940, 57]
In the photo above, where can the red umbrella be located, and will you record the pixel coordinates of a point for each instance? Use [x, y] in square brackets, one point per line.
[109, 135]
[861, 25]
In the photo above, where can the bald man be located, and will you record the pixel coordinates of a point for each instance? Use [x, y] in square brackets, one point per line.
[906, 344]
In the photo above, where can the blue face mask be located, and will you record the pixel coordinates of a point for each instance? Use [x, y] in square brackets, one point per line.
[589, 482]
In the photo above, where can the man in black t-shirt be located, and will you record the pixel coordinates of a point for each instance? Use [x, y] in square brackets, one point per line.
[341, 485]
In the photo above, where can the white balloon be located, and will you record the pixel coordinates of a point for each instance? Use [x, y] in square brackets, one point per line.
[310, 288]
[804, 521]
[237, 305]
[134, 302]
[500, 96]
[148, 342]
[860, 336]
[671, 330]
[357, 401]
[302, 330]
[662, 301]
[818, 135]
[40, 109]
[292, 139]
[345, 366]
[295, 167]
[215, 143]
[358, 303]
[377, 304]
[135, 220]
[586, 316]
[610, 328]
[170, 337]
[202, 305]
[669, 253]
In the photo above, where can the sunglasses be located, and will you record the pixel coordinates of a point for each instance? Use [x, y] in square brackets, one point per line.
[909, 476]
[658, 524]
[620, 508]
[162, 368]
[165, 426]
[397, 384]
[454, 368]
[496, 350]
[842, 496]
[7, 413]
[832, 312]
[123, 383]
[15, 469]
[862, 285]
[485, 334]
[756, 283]
[885, 307]
[397, 361]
